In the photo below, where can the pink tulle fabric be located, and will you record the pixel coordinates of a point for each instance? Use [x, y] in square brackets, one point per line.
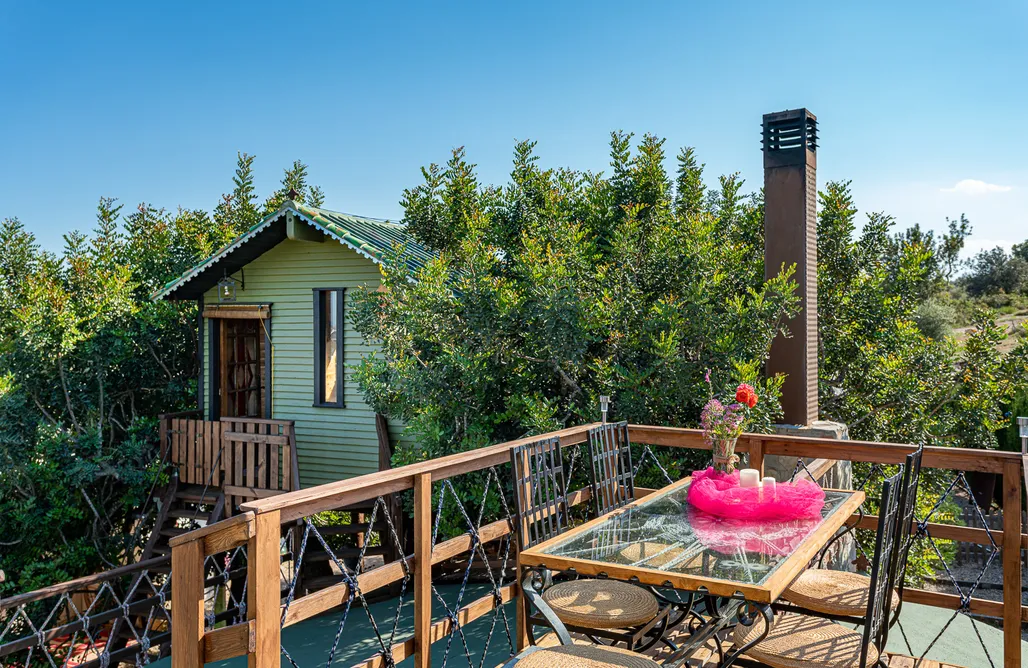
[719, 494]
[773, 539]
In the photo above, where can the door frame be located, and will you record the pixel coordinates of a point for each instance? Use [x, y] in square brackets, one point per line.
[259, 311]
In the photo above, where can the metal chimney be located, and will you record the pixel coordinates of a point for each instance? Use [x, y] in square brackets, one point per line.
[790, 237]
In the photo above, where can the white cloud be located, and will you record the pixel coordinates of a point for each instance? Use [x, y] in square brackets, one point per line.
[976, 187]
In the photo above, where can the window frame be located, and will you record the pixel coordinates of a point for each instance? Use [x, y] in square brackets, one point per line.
[319, 350]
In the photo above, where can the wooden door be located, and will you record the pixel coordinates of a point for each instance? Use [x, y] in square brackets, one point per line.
[242, 368]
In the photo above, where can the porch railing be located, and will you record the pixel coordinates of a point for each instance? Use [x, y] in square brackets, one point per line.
[477, 535]
[246, 458]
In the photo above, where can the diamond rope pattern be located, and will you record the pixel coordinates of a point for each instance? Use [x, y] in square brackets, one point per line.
[351, 576]
[496, 581]
[957, 485]
[122, 623]
[648, 456]
[222, 571]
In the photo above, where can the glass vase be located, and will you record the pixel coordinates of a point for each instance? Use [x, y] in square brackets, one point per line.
[725, 458]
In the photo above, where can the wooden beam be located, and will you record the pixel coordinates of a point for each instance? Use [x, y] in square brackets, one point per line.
[251, 492]
[354, 490]
[318, 602]
[857, 451]
[757, 457]
[220, 536]
[187, 620]
[80, 583]
[229, 641]
[1012, 565]
[237, 311]
[422, 570]
[944, 531]
[977, 606]
[244, 437]
[264, 591]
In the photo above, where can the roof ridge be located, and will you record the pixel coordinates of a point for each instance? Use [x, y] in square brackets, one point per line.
[371, 219]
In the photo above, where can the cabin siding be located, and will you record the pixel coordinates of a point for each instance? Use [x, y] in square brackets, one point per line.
[332, 443]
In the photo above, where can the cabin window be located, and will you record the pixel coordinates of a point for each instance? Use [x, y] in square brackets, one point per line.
[328, 347]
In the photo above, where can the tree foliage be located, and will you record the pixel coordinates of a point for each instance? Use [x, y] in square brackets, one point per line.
[563, 285]
[87, 362]
[879, 372]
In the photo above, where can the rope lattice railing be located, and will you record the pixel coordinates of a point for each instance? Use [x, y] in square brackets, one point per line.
[121, 619]
[951, 492]
[350, 570]
[483, 568]
[495, 571]
[225, 588]
[349, 588]
[959, 491]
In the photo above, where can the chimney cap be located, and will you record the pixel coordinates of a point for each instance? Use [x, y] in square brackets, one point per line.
[789, 137]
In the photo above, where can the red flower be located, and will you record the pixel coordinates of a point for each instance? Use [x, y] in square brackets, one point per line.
[745, 394]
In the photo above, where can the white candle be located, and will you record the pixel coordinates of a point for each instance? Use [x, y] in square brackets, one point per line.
[749, 478]
[768, 484]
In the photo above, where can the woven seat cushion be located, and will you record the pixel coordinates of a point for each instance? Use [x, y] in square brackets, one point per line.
[799, 641]
[584, 656]
[601, 604]
[832, 592]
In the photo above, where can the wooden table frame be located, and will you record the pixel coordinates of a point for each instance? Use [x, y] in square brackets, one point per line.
[765, 593]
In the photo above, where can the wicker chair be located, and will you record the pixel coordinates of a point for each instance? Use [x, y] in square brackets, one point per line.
[558, 649]
[608, 609]
[797, 640]
[842, 596]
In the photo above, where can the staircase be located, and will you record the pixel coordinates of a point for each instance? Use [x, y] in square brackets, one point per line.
[183, 507]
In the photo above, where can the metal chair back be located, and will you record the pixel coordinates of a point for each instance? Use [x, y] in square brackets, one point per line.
[613, 484]
[880, 595]
[539, 491]
[905, 540]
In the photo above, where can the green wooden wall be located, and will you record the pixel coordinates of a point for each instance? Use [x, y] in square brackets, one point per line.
[332, 443]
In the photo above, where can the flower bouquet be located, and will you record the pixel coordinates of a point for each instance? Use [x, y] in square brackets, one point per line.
[723, 424]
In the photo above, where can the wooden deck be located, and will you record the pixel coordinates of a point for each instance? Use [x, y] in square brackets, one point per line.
[260, 523]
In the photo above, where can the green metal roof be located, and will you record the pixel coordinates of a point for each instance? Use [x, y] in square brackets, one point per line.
[373, 238]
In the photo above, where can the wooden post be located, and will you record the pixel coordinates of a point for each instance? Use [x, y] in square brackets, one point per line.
[187, 620]
[422, 570]
[521, 627]
[162, 431]
[1011, 565]
[264, 590]
[757, 455]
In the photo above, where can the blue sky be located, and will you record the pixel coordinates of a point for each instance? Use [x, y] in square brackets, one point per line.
[151, 101]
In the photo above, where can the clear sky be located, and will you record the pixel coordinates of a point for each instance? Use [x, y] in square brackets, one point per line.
[923, 105]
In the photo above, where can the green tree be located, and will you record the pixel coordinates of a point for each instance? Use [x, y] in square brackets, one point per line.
[87, 362]
[879, 372]
[994, 271]
[561, 286]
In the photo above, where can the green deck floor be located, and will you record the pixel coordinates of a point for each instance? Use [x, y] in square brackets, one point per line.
[309, 642]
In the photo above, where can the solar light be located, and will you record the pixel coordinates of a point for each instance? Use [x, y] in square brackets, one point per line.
[1022, 423]
[227, 289]
[604, 406]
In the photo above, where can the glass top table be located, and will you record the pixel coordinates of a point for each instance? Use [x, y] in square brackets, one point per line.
[661, 540]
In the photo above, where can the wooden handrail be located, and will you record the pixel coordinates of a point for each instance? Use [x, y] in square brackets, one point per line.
[79, 583]
[330, 496]
[289, 507]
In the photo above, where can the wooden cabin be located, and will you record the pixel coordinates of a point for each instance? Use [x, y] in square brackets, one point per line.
[275, 338]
